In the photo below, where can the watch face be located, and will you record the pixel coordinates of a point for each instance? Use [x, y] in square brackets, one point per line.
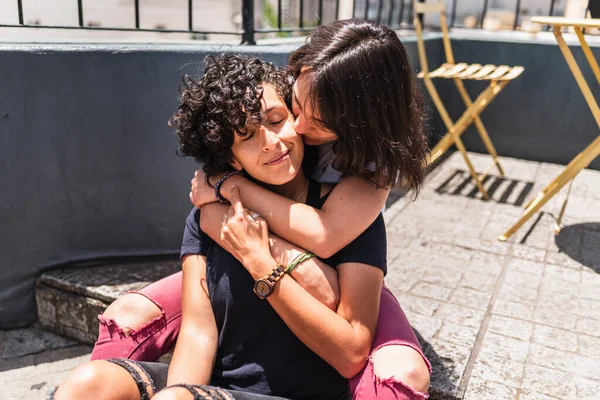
[262, 288]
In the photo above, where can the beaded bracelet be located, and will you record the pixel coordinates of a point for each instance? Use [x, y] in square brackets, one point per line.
[298, 260]
[217, 191]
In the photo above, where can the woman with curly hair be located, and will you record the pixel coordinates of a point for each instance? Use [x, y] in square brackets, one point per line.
[355, 97]
[248, 327]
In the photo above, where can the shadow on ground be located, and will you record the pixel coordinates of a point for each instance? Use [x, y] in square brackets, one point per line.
[501, 189]
[581, 242]
[443, 375]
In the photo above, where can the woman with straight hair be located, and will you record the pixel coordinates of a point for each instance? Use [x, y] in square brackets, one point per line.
[355, 98]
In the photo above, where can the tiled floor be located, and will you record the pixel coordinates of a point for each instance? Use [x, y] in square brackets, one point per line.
[515, 320]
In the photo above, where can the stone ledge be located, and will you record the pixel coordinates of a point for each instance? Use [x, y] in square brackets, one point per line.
[69, 300]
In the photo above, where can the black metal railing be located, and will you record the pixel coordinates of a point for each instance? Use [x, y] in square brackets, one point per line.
[395, 13]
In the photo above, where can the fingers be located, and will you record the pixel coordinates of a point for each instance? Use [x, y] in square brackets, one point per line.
[236, 202]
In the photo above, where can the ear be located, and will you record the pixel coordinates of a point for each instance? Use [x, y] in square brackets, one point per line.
[235, 164]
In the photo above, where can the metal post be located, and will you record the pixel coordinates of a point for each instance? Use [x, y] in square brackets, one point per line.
[485, 6]
[301, 21]
[367, 9]
[137, 14]
[278, 14]
[391, 13]
[453, 15]
[320, 12]
[20, 6]
[421, 15]
[248, 22]
[517, 12]
[79, 11]
[190, 18]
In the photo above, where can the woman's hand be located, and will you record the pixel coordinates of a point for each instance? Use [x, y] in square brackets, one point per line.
[201, 192]
[245, 235]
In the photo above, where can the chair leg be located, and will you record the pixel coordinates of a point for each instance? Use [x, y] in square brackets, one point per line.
[483, 134]
[581, 161]
[463, 151]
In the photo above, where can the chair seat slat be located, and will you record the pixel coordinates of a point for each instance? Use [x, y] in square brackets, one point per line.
[497, 73]
[440, 71]
[513, 73]
[451, 73]
[483, 71]
[466, 74]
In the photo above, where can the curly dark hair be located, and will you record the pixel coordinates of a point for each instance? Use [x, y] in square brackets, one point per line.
[219, 104]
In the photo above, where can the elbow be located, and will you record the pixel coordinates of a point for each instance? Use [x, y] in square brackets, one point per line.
[326, 248]
[354, 363]
[352, 367]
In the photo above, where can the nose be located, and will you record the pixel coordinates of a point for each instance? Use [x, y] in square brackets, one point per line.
[298, 126]
[270, 139]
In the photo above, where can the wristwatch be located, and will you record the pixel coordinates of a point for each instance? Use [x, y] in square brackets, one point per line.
[264, 286]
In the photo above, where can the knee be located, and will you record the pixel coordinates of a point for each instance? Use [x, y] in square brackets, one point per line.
[85, 381]
[402, 364]
[132, 311]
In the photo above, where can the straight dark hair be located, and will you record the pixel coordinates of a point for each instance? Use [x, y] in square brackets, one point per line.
[361, 87]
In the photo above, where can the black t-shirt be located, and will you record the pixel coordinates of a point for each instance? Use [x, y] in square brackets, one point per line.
[257, 352]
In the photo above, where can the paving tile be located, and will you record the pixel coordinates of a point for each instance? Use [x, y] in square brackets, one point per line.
[528, 253]
[474, 280]
[499, 370]
[504, 347]
[459, 334]
[525, 266]
[549, 381]
[511, 327]
[449, 362]
[522, 279]
[513, 309]
[431, 291]
[460, 315]
[21, 342]
[425, 326]
[535, 396]
[442, 277]
[563, 302]
[554, 317]
[589, 346]
[471, 298]
[480, 389]
[417, 304]
[484, 263]
[555, 338]
[587, 389]
[563, 259]
[517, 293]
[587, 367]
[551, 358]
[562, 273]
[588, 326]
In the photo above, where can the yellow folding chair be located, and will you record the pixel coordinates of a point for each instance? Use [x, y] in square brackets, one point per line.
[498, 77]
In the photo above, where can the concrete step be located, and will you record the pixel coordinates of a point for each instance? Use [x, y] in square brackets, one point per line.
[69, 300]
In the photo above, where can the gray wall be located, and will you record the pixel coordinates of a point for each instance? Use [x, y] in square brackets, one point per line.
[87, 163]
[88, 166]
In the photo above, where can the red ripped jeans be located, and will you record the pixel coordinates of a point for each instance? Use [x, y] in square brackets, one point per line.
[158, 337]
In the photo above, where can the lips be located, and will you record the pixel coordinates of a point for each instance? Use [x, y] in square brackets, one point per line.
[278, 158]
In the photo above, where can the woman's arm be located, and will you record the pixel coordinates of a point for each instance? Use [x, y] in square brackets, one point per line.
[351, 207]
[341, 338]
[196, 346]
[317, 278]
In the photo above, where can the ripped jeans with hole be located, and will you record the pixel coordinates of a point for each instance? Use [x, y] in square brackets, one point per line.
[158, 337]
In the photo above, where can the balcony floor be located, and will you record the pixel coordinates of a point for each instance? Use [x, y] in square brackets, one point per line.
[514, 320]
